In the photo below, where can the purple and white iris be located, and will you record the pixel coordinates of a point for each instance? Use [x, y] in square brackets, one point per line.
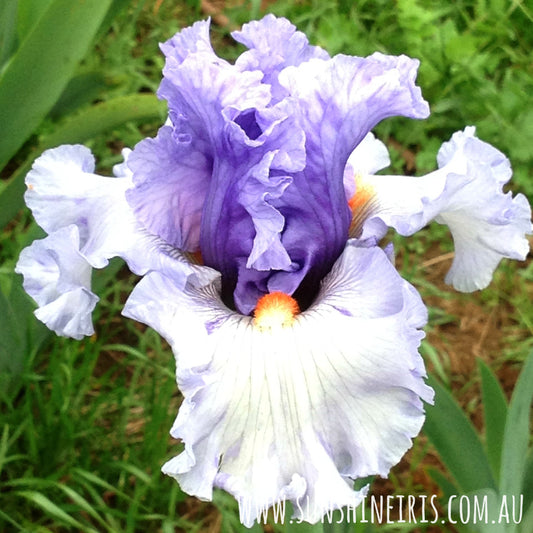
[260, 193]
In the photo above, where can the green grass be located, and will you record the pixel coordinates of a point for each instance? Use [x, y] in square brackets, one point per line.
[84, 425]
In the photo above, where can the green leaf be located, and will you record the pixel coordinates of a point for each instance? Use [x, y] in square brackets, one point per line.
[495, 412]
[431, 354]
[528, 487]
[81, 90]
[20, 333]
[40, 69]
[7, 518]
[105, 116]
[117, 6]
[447, 487]
[81, 502]
[457, 442]
[517, 433]
[80, 127]
[29, 13]
[8, 29]
[527, 523]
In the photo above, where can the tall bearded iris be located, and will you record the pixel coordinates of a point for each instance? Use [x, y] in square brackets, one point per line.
[254, 218]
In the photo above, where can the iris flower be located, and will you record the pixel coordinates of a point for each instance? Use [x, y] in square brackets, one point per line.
[255, 218]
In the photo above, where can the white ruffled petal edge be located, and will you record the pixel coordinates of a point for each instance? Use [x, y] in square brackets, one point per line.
[465, 194]
[63, 190]
[293, 412]
[486, 223]
[89, 221]
[58, 278]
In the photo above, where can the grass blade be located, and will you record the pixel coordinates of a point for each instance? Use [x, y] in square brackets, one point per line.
[52, 509]
[495, 413]
[82, 503]
[27, 90]
[457, 442]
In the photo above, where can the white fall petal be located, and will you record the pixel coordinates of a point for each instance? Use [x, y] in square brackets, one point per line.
[295, 412]
[466, 194]
[58, 278]
[88, 221]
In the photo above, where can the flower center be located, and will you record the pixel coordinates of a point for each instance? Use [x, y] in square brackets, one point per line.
[274, 310]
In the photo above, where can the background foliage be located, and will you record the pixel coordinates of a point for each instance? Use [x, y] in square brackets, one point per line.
[84, 425]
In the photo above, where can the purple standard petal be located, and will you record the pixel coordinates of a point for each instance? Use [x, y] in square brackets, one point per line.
[223, 161]
[274, 43]
[172, 173]
[294, 411]
[242, 238]
[171, 177]
[339, 101]
[335, 103]
[259, 179]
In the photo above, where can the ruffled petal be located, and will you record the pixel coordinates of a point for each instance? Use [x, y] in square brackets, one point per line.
[465, 194]
[65, 196]
[339, 101]
[58, 277]
[248, 148]
[223, 144]
[172, 173]
[255, 153]
[274, 43]
[63, 190]
[293, 412]
[189, 40]
[342, 99]
[336, 103]
[171, 176]
[486, 223]
[199, 88]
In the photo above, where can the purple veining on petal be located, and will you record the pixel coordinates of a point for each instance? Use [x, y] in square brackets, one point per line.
[251, 166]
[279, 437]
[171, 181]
[335, 103]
